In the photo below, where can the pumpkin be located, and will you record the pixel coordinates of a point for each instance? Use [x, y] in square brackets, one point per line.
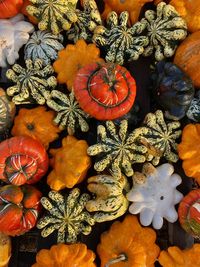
[120, 42]
[72, 58]
[190, 11]
[187, 57]
[104, 90]
[132, 6]
[22, 160]
[193, 112]
[160, 138]
[43, 45]
[128, 244]
[70, 163]
[14, 33]
[24, 11]
[67, 215]
[54, 16]
[154, 194]
[87, 21]
[117, 150]
[10, 8]
[19, 209]
[66, 256]
[175, 257]
[32, 83]
[165, 29]
[188, 151]
[7, 112]
[110, 201]
[5, 250]
[36, 123]
[69, 113]
[189, 213]
[172, 89]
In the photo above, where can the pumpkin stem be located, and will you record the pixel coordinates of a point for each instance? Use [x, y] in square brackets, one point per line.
[121, 257]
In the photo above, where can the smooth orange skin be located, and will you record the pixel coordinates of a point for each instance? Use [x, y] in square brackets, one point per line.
[10, 8]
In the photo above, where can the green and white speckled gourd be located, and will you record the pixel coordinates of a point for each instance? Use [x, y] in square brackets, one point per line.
[87, 21]
[32, 84]
[43, 45]
[160, 138]
[120, 42]
[53, 15]
[110, 200]
[117, 150]
[165, 29]
[67, 215]
[154, 194]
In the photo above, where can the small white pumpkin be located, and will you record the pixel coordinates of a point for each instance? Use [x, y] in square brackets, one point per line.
[154, 194]
[43, 45]
[14, 33]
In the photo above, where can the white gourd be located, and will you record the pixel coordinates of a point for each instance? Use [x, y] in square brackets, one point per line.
[14, 33]
[43, 45]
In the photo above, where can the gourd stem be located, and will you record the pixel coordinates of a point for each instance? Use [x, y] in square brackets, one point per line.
[121, 257]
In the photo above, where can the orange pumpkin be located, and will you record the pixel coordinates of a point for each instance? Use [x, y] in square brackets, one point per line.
[128, 244]
[36, 123]
[189, 150]
[10, 8]
[132, 6]
[24, 11]
[175, 257]
[61, 255]
[187, 57]
[74, 57]
[190, 11]
[70, 163]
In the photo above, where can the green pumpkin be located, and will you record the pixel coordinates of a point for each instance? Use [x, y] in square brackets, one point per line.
[67, 215]
[32, 84]
[56, 15]
[110, 200]
[120, 42]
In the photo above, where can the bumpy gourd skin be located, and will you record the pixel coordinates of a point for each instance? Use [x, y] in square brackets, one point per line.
[32, 83]
[120, 42]
[165, 30]
[193, 112]
[56, 15]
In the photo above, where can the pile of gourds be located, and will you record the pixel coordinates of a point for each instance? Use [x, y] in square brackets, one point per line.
[69, 116]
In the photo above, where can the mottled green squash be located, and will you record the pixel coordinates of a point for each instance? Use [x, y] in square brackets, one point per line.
[67, 215]
[120, 42]
[110, 200]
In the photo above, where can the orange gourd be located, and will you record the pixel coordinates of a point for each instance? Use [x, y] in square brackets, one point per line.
[10, 8]
[189, 150]
[70, 163]
[187, 57]
[175, 257]
[128, 244]
[61, 255]
[72, 58]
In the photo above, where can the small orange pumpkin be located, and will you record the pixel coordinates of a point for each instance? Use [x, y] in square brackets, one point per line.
[36, 123]
[187, 57]
[10, 8]
[70, 163]
[128, 244]
[175, 257]
[74, 57]
[189, 150]
[75, 255]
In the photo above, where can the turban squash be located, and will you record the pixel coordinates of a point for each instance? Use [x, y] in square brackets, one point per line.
[19, 209]
[22, 160]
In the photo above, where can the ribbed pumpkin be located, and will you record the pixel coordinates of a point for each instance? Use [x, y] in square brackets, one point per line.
[7, 112]
[22, 160]
[189, 213]
[5, 250]
[187, 57]
[19, 209]
[106, 91]
[189, 151]
[10, 8]
[62, 255]
[128, 244]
